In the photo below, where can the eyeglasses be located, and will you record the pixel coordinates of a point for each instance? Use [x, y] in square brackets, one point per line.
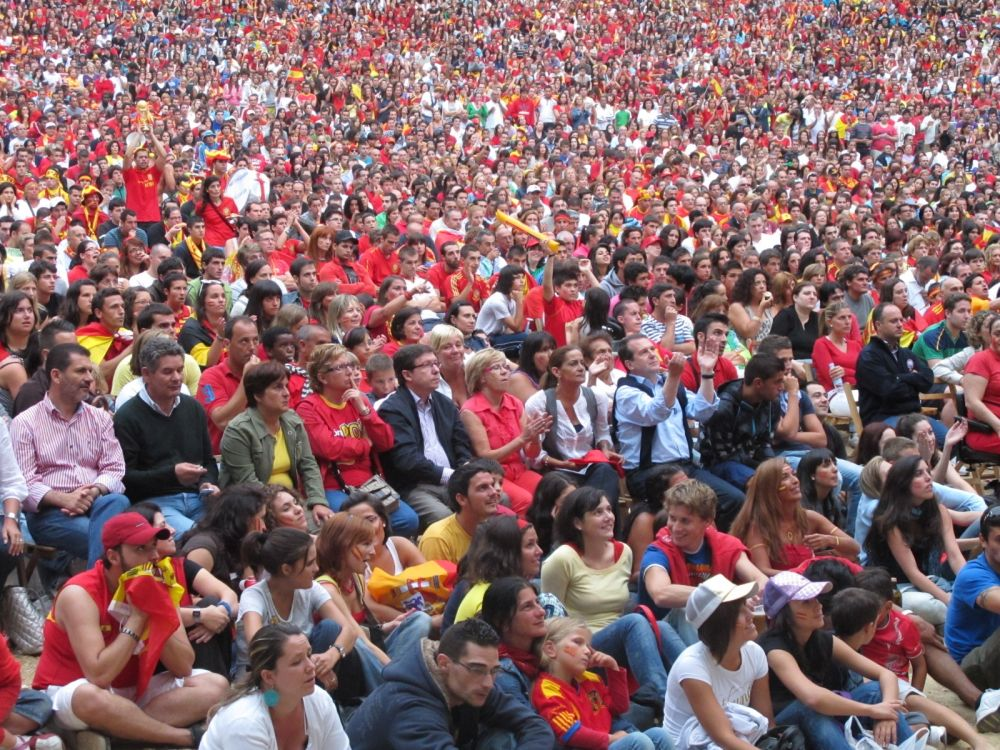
[434, 365]
[341, 368]
[480, 670]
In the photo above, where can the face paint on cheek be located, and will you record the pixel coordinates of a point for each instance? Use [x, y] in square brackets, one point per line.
[571, 649]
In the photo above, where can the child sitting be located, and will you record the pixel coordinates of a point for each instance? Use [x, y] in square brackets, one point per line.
[577, 704]
[380, 376]
[866, 621]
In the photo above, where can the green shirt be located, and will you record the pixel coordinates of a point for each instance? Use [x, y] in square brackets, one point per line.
[937, 343]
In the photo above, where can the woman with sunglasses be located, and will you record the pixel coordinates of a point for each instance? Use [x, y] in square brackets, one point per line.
[345, 430]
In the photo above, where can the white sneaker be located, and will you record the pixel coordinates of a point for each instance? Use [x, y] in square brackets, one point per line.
[988, 713]
[937, 736]
[41, 742]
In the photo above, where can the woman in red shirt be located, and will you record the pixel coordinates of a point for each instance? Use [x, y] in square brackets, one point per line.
[217, 210]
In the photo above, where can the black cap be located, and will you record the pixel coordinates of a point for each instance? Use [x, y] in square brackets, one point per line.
[345, 235]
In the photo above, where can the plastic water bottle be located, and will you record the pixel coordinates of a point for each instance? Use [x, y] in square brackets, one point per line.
[838, 383]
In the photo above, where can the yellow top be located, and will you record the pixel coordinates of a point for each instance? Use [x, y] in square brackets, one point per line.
[282, 467]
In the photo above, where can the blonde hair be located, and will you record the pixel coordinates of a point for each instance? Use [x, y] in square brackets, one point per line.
[442, 334]
[338, 306]
[556, 629]
[320, 356]
[478, 364]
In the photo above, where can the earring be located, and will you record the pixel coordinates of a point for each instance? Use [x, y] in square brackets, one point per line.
[271, 697]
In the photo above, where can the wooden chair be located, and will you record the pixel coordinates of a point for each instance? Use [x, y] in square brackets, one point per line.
[28, 562]
[852, 406]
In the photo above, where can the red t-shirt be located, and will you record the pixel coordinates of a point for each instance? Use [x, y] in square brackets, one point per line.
[142, 193]
[559, 312]
[895, 644]
[216, 387]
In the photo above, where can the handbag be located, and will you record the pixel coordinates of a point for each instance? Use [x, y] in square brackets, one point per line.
[785, 737]
[376, 486]
[23, 618]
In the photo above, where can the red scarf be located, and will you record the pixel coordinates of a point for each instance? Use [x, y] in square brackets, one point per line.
[526, 661]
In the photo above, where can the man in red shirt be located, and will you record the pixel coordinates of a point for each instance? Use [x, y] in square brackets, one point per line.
[451, 262]
[561, 293]
[466, 285]
[105, 339]
[220, 389]
[344, 268]
[382, 259]
[142, 180]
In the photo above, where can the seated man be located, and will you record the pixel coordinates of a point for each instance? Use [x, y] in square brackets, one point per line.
[70, 459]
[164, 439]
[650, 418]
[444, 697]
[891, 378]
[220, 389]
[475, 491]
[105, 340]
[431, 441]
[160, 317]
[89, 667]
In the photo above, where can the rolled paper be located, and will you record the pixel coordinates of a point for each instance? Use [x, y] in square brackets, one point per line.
[530, 231]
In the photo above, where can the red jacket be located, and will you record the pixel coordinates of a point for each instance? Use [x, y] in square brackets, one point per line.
[334, 271]
[580, 714]
[726, 551]
[338, 433]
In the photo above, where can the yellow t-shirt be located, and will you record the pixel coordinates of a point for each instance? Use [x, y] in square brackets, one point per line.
[445, 540]
[282, 467]
[472, 602]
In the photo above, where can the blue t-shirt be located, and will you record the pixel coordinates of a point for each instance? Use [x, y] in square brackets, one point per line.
[699, 565]
[969, 625]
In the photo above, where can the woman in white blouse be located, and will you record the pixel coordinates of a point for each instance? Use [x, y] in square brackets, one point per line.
[579, 442]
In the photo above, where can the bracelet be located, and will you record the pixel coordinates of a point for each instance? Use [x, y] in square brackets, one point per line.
[711, 376]
[340, 650]
[130, 633]
[226, 606]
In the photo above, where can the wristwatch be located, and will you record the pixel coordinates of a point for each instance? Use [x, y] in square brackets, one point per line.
[196, 614]
[15, 517]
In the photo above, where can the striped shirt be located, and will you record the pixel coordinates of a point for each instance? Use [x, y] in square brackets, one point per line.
[62, 455]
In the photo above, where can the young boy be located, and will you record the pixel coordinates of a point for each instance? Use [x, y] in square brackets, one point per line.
[380, 376]
[866, 621]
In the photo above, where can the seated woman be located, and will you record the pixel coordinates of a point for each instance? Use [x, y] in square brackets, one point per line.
[778, 531]
[835, 355]
[290, 596]
[723, 666]
[276, 705]
[809, 671]
[589, 574]
[344, 430]
[406, 327]
[502, 546]
[285, 508]
[18, 344]
[512, 607]
[532, 363]
[449, 346]
[393, 554]
[215, 541]
[918, 428]
[687, 549]
[344, 549]
[799, 321]
[201, 335]
[208, 606]
[548, 498]
[818, 478]
[498, 428]
[910, 534]
[579, 424]
[871, 441]
[268, 443]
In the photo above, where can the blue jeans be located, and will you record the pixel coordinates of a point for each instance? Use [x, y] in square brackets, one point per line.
[404, 520]
[733, 472]
[827, 732]
[631, 642]
[652, 739]
[181, 511]
[78, 535]
[403, 640]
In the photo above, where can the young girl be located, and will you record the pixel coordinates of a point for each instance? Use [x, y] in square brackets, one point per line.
[576, 702]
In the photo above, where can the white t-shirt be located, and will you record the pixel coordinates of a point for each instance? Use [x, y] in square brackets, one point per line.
[494, 310]
[257, 598]
[245, 723]
[697, 663]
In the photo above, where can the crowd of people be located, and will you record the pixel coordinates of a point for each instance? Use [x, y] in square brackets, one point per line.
[636, 346]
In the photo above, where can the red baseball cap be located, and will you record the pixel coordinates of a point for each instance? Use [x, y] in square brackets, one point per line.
[130, 528]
